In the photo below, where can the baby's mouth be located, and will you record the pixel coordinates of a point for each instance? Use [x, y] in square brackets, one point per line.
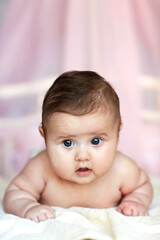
[83, 171]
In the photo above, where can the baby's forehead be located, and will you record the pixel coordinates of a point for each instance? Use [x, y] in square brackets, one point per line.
[67, 114]
[64, 120]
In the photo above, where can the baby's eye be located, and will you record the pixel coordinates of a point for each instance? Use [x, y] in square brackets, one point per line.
[96, 141]
[68, 143]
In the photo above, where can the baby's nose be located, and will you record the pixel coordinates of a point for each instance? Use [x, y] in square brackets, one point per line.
[82, 155]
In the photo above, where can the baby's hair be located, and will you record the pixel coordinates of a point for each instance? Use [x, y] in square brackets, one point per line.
[79, 93]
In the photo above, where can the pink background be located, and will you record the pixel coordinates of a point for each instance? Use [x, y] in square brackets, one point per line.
[39, 39]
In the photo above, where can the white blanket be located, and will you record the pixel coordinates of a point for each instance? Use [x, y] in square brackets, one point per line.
[84, 223]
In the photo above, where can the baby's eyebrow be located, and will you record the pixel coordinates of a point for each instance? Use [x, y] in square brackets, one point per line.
[99, 134]
[66, 137]
[92, 134]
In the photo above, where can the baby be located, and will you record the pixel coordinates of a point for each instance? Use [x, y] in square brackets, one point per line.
[81, 165]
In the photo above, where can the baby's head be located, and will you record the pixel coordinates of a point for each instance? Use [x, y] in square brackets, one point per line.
[79, 93]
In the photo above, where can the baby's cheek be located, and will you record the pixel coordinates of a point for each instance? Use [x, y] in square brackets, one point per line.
[102, 168]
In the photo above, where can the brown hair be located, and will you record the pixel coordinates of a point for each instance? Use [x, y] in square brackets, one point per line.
[79, 93]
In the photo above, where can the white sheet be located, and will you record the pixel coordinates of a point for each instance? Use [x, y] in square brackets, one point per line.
[84, 223]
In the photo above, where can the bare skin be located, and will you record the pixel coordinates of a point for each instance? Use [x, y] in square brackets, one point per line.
[75, 175]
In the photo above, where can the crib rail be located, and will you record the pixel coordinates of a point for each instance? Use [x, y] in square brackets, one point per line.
[35, 88]
[150, 87]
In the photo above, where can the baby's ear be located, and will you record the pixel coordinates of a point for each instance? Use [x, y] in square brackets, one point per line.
[41, 131]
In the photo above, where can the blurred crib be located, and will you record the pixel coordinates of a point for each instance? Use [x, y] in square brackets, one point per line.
[20, 116]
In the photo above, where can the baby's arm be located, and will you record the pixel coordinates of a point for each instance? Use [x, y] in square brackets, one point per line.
[22, 195]
[136, 190]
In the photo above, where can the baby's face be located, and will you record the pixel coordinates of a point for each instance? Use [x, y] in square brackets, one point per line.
[81, 148]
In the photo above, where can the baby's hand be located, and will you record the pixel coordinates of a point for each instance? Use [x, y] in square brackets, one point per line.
[131, 208]
[39, 213]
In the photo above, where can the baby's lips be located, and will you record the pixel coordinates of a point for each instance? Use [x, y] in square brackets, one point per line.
[84, 169]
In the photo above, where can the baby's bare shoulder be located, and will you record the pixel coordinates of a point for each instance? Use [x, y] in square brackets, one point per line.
[37, 164]
[40, 159]
[129, 172]
[33, 176]
[124, 163]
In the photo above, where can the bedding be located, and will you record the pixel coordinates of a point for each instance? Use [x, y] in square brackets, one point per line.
[78, 223]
